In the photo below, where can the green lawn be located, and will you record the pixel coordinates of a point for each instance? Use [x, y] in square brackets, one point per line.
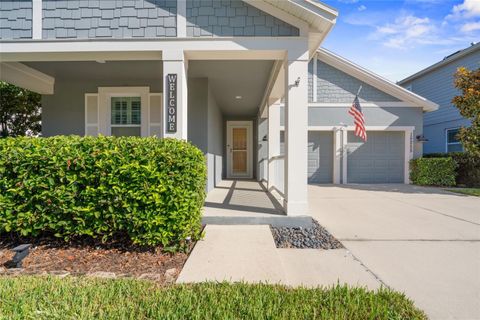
[82, 298]
[467, 191]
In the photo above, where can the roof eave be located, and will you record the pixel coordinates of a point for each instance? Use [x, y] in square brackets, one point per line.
[377, 81]
[439, 64]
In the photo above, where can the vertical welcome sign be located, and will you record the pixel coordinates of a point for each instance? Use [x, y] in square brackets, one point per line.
[171, 103]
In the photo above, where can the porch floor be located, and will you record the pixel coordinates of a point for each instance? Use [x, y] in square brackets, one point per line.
[246, 202]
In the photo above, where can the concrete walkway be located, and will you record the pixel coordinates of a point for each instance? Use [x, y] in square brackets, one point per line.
[248, 253]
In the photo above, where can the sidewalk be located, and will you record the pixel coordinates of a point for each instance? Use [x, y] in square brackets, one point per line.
[248, 253]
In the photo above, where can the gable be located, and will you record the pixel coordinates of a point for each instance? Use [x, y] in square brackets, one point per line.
[336, 86]
[227, 18]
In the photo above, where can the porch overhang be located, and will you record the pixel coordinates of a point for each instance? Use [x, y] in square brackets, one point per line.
[23, 76]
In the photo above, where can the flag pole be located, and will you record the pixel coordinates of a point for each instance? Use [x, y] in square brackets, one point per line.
[359, 90]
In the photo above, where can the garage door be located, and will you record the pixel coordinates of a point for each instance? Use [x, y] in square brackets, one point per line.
[320, 156]
[380, 160]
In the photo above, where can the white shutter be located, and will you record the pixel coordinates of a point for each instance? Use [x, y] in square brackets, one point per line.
[91, 114]
[156, 115]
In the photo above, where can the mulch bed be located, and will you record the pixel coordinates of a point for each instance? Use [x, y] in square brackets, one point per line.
[315, 237]
[50, 255]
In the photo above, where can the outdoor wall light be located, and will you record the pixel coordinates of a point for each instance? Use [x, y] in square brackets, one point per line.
[238, 97]
[422, 139]
[297, 82]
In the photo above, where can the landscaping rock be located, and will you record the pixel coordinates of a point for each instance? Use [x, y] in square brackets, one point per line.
[14, 271]
[170, 275]
[3, 270]
[151, 276]
[102, 274]
[59, 273]
[315, 237]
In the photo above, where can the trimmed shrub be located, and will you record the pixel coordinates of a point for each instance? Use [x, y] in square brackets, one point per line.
[149, 190]
[468, 167]
[433, 171]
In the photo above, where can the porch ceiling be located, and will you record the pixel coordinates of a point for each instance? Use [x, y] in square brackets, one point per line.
[231, 79]
[105, 72]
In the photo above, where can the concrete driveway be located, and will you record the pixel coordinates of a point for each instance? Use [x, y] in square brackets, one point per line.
[422, 241]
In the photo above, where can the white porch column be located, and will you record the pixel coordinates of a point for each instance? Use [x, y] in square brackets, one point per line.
[296, 134]
[273, 143]
[175, 94]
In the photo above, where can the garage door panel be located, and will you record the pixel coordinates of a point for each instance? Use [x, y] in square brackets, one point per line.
[379, 160]
[320, 157]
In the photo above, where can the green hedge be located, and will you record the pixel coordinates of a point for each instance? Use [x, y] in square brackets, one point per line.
[149, 190]
[468, 167]
[433, 171]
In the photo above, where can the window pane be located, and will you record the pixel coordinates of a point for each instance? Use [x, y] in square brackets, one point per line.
[136, 114]
[452, 136]
[457, 147]
[126, 111]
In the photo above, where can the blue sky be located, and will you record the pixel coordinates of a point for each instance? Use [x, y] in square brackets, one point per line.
[396, 38]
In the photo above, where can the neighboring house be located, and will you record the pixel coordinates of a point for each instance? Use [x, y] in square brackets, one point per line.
[436, 83]
[244, 80]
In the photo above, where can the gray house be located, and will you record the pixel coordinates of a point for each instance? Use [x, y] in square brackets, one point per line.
[244, 80]
[436, 84]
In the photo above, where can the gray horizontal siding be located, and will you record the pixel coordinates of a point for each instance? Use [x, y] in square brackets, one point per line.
[335, 86]
[438, 87]
[437, 134]
[209, 18]
[15, 19]
[109, 18]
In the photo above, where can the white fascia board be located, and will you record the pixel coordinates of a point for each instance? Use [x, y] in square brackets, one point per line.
[375, 80]
[318, 17]
[25, 77]
[250, 47]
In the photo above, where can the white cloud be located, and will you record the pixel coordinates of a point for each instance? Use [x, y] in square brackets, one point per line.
[470, 26]
[404, 31]
[467, 9]
[362, 8]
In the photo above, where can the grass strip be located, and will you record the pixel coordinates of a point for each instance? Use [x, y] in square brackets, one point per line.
[29, 297]
[467, 191]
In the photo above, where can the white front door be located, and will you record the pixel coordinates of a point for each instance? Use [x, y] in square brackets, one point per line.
[239, 149]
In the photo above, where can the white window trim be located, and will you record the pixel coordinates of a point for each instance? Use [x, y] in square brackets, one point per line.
[451, 143]
[105, 94]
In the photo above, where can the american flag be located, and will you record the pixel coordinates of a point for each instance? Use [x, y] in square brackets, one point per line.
[359, 119]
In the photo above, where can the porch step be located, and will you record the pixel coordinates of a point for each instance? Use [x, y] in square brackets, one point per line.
[278, 221]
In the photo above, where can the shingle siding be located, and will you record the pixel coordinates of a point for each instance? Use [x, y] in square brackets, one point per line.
[335, 86]
[15, 19]
[109, 18]
[226, 18]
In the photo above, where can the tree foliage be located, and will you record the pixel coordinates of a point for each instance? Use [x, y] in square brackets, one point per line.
[468, 82]
[20, 111]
